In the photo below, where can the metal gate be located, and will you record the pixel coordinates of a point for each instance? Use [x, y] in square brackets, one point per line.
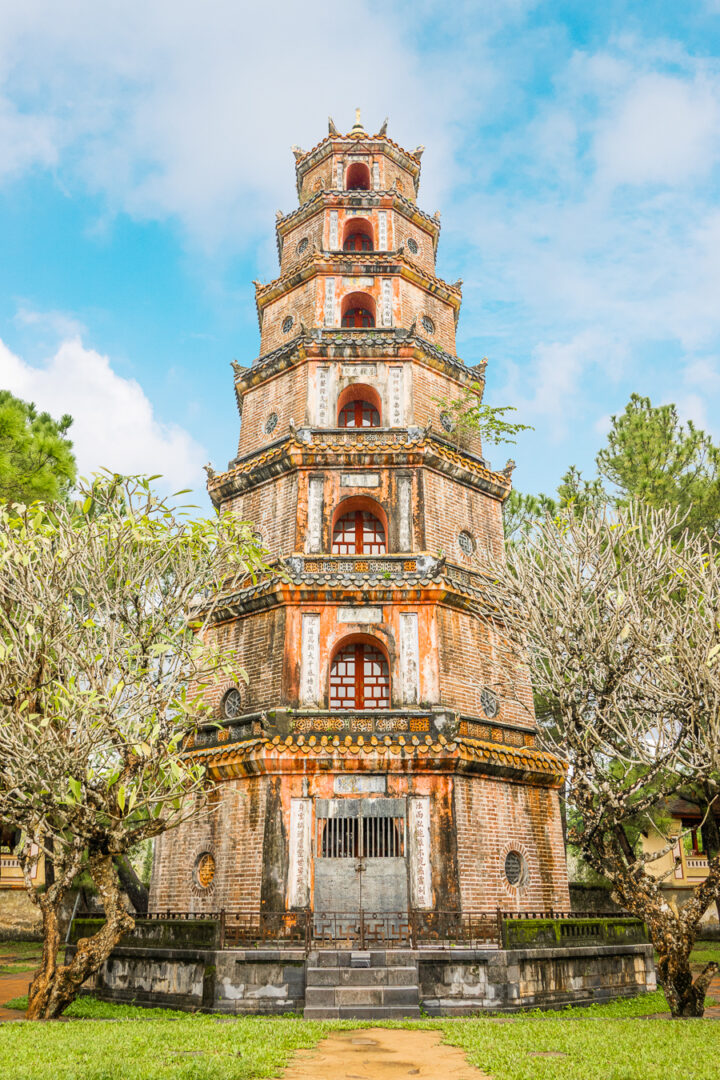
[360, 856]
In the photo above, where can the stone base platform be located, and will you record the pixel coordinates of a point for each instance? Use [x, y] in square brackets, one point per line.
[448, 981]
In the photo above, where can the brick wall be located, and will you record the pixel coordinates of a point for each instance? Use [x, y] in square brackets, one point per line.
[286, 396]
[301, 303]
[429, 387]
[310, 230]
[255, 644]
[271, 507]
[233, 834]
[404, 230]
[494, 817]
[450, 507]
[473, 656]
[416, 302]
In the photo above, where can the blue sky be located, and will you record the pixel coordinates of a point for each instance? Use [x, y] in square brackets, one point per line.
[573, 149]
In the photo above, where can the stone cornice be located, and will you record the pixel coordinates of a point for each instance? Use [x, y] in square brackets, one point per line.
[391, 753]
[354, 264]
[314, 448]
[359, 580]
[332, 198]
[340, 343]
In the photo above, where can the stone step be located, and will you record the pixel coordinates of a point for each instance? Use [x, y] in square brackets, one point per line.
[328, 997]
[372, 976]
[378, 957]
[363, 1012]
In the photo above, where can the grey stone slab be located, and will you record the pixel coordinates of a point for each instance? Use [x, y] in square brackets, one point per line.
[400, 957]
[312, 1013]
[375, 976]
[326, 958]
[368, 1012]
[400, 995]
[358, 995]
[402, 976]
[322, 996]
[322, 977]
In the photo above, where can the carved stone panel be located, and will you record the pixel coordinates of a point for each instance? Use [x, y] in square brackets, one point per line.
[315, 512]
[409, 658]
[310, 660]
[299, 868]
[419, 843]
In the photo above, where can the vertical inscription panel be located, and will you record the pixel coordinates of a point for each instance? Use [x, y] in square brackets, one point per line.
[419, 837]
[315, 512]
[409, 658]
[310, 660]
[404, 486]
[299, 871]
[396, 396]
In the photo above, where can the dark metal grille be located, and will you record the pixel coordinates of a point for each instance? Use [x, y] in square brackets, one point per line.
[358, 533]
[361, 837]
[357, 242]
[359, 679]
[358, 318]
[359, 414]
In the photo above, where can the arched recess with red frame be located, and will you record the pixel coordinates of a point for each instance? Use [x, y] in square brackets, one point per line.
[359, 527]
[358, 235]
[359, 674]
[359, 406]
[357, 178]
[358, 310]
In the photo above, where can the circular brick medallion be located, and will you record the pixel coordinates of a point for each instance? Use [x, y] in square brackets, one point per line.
[232, 704]
[427, 324]
[303, 245]
[205, 869]
[514, 868]
[287, 324]
[412, 246]
[466, 542]
[271, 423]
[489, 702]
[446, 421]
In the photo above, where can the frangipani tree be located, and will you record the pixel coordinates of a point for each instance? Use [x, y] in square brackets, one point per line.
[619, 614]
[104, 669]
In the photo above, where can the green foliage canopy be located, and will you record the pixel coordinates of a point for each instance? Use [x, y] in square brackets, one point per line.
[36, 458]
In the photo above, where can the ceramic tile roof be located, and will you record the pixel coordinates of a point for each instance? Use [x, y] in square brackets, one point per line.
[495, 756]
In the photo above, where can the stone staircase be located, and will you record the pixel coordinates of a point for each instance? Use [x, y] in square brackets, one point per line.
[376, 985]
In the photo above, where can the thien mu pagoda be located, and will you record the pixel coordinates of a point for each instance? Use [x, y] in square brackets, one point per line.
[381, 758]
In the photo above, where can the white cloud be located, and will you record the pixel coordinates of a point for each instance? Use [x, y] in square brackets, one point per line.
[664, 130]
[114, 424]
[188, 110]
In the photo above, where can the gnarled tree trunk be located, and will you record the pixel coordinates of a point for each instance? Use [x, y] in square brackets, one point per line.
[56, 986]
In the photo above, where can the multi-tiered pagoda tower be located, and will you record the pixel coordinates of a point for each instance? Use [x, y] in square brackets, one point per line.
[382, 755]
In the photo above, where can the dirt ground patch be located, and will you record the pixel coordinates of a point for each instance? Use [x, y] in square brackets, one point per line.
[12, 986]
[382, 1054]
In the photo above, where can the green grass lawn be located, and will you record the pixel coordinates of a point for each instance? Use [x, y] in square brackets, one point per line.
[603, 1042]
[105, 1041]
[19, 956]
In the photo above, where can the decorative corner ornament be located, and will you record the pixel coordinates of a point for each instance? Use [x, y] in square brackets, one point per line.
[298, 152]
[419, 151]
[383, 127]
[332, 130]
[509, 468]
[209, 470]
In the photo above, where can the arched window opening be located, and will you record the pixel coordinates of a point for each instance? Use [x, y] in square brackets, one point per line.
[358, 235]
[359, 678]
[359, 414]
[358, 310]
[358, 318]
[358, 177]
[357, 242]
[359, 533]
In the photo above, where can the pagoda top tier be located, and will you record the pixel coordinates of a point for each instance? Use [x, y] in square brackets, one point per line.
[357, 160]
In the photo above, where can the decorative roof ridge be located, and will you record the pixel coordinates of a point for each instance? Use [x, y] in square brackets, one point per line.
[353, 137]
[399, 333]
[374, 194]
[398, 255]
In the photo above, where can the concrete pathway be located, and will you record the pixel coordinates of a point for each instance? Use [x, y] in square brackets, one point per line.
[382, 1054]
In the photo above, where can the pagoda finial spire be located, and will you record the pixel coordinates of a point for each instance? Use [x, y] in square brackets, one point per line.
[357, 128]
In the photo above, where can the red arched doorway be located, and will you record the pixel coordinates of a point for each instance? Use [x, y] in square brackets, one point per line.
[359, 406]
[357, 177]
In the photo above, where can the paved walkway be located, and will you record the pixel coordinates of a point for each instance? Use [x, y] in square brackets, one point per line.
[382, 1054]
